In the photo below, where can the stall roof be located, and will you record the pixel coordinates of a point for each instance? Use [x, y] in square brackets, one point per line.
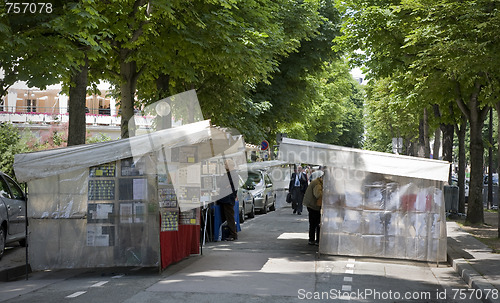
[298, 151]
[42, 164]
[265, 164]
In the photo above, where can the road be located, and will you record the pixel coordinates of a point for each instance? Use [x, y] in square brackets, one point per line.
[270, 262]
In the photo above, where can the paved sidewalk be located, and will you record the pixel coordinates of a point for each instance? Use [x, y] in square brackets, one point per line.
[474, 261]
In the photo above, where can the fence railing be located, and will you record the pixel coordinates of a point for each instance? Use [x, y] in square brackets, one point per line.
[44, 115]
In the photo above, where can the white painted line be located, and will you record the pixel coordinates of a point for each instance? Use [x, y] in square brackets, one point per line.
[117, 277]
[76, 294]
[350, 266]
[349, 271]
[347, 279]
[99, 284]
[346, 287]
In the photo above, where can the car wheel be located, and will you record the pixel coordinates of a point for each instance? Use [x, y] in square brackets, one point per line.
[2, 242]
[264, 208]
[252, 213]
[242, 213]
[273, 206]
[22, 242]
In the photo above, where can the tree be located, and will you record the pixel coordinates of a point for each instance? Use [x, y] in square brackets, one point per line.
[83, 29]
[300, 97]
[448, 41]
[11, 143]
[228, 52]
[54, 45]
[454, 37]
[166, 45]
[349, 129]
[27, 49]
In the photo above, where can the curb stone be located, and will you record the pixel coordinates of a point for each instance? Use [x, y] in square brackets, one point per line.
[472, 278]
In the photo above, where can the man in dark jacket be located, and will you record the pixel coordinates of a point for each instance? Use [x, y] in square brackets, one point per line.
[228, 187]
[298, 187]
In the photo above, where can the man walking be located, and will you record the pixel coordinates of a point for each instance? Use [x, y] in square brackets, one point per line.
[297, 187]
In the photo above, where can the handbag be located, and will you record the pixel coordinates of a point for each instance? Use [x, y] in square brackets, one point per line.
[289, 198]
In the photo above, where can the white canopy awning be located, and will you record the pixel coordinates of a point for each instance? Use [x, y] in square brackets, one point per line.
[265, 164]
[298, 151]
[42, 164]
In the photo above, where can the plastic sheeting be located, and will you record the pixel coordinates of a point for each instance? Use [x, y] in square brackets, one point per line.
[106, 204]
[376, 204]
[52, 162]
[298, 151]
[69, 230]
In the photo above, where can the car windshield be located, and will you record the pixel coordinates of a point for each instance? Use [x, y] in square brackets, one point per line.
[253, 180]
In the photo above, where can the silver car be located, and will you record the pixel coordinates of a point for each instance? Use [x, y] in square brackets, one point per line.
[261, 187]
[246, 201]
[12, 213]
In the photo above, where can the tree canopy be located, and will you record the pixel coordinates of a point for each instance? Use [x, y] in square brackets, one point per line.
[262, 67]
[430, 52]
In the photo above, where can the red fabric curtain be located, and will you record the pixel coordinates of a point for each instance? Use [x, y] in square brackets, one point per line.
[177, 245]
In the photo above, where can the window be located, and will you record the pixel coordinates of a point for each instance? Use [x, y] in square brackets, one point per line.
[30, 105]
[17, 192]
[4, 189]
[268, 180]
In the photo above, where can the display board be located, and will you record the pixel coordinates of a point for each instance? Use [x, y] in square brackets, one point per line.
[119, 202]
[179, 187]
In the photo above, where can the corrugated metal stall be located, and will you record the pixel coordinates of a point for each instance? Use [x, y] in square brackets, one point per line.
[377, 204]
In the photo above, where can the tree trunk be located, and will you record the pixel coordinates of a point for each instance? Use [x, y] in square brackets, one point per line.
[129, 75]
[76, 103]
[421, 143]
[437, 144]
[476, 117]
[461, 131]
[448, 134]
[475, 206]
[490, 161]
[497, 107]
[424, 150]
[163, 88]
[427, 145]
[412, 149]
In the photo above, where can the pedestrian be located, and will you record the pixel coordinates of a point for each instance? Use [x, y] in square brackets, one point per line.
[313, 201]
[316, 174]
[297, 187]
[227, 196]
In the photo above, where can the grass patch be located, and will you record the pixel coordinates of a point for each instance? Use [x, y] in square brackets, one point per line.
[487, 233]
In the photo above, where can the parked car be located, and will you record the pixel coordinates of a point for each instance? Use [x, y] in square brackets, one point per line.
[262, 189]
[12, 213]
[246, 203]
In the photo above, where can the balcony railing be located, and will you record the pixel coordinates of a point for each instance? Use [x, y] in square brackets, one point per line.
[44, 115]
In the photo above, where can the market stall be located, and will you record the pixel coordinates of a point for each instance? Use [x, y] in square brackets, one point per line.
[129, 202]
[377, 204]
